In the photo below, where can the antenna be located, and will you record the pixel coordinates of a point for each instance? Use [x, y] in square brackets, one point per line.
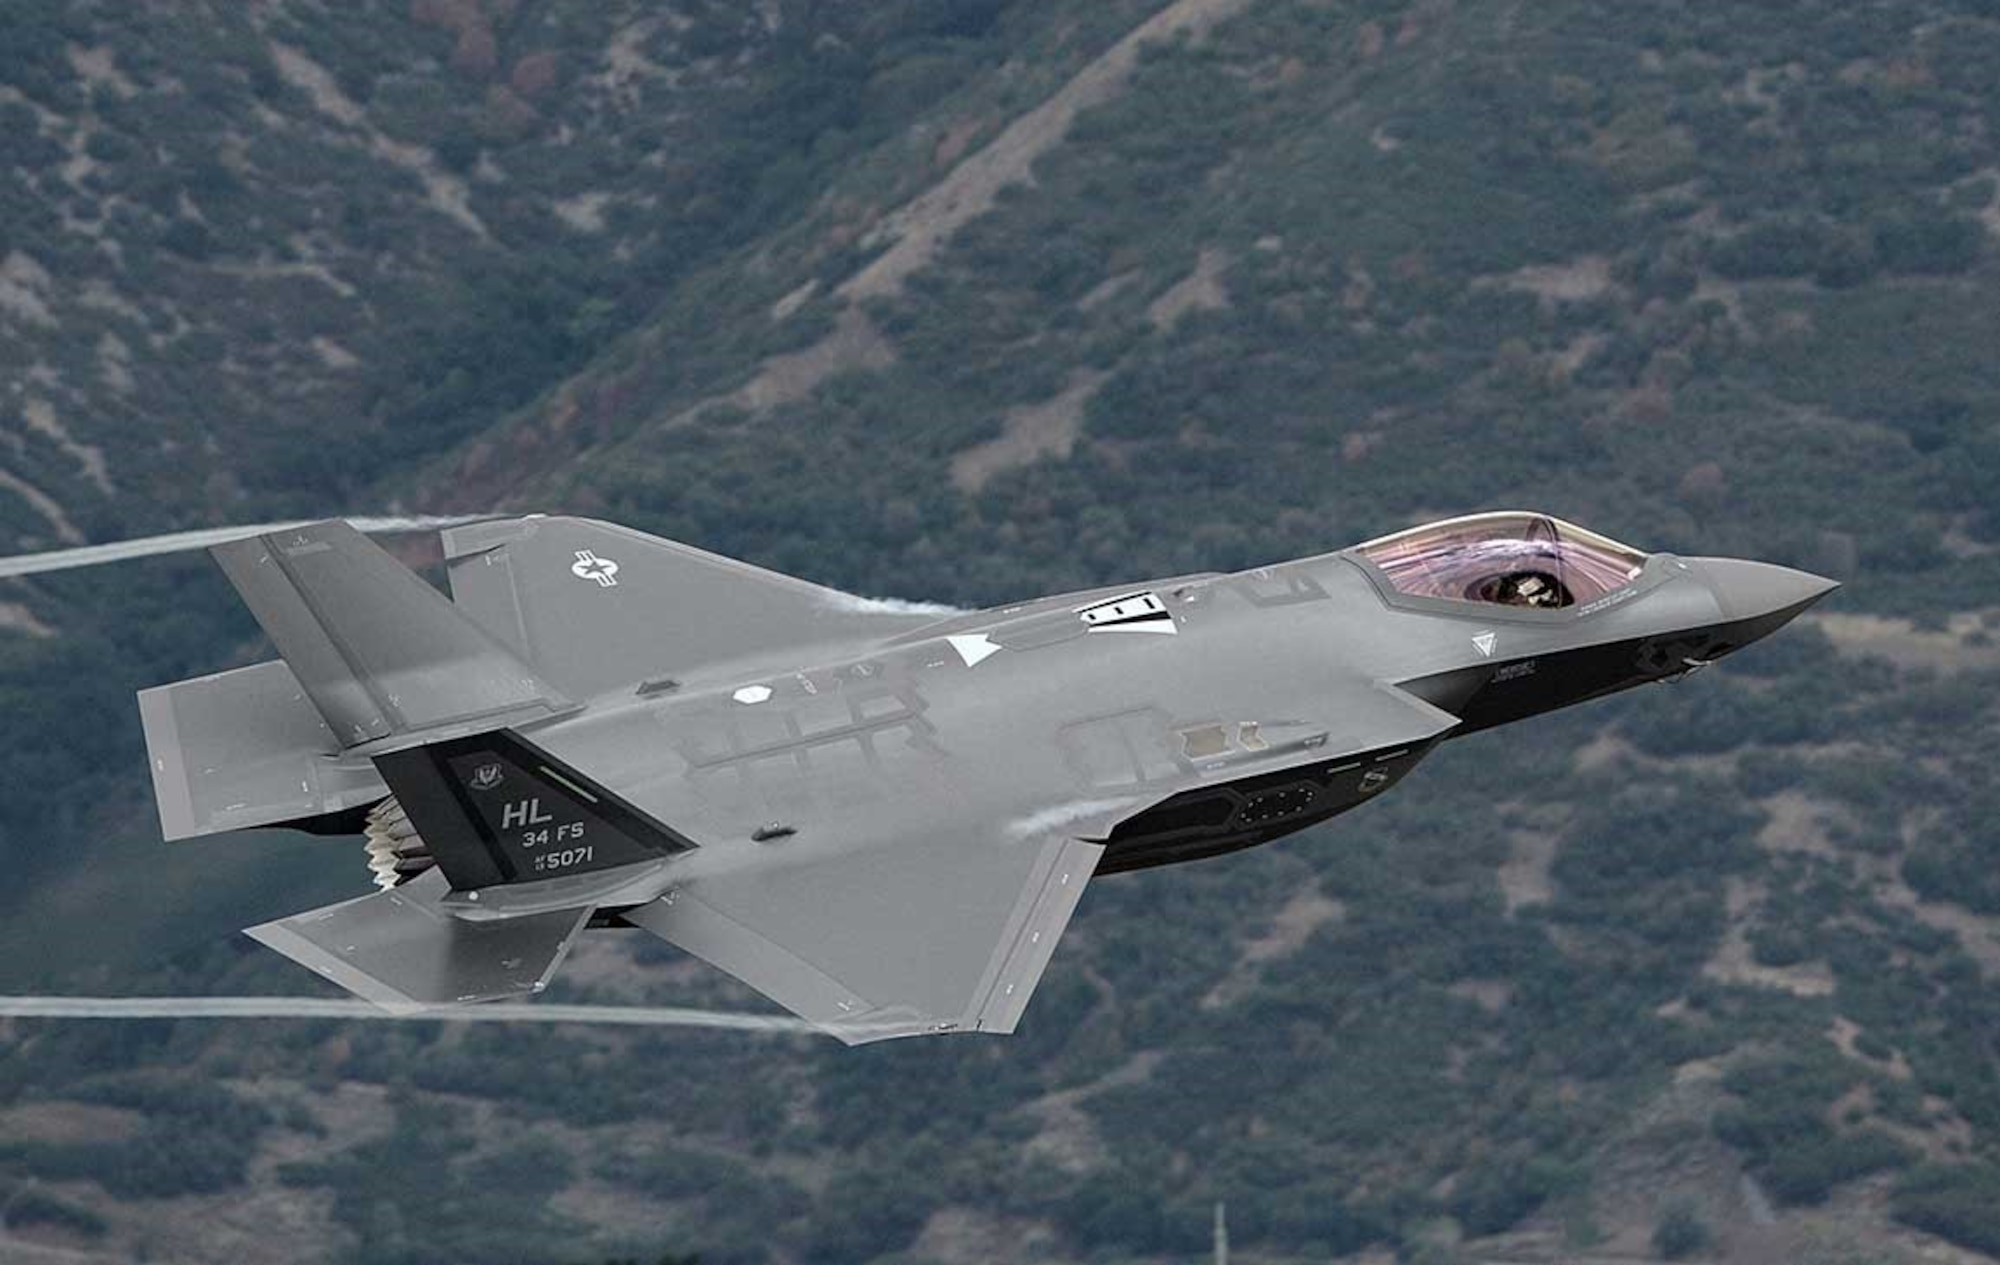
[1221, 1234]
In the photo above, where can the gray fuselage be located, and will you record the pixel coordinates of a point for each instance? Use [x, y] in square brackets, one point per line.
[1257, 715]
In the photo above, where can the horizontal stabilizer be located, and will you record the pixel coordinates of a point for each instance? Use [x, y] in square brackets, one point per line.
[245, 748]
[598, 607]
[378, 651]
[399, 950]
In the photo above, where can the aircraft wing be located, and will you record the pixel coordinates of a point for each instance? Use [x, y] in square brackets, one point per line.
[929, 935]
[946, 931]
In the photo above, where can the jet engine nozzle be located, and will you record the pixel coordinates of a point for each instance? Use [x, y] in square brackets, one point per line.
[396, 852]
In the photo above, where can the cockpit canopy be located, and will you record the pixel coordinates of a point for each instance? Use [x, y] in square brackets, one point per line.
[1507, 558]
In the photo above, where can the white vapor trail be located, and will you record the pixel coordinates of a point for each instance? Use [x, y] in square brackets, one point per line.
[175, 542]
[857, 604]
[341, 1008]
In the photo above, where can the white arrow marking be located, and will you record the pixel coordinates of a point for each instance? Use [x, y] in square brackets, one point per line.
[972, 647]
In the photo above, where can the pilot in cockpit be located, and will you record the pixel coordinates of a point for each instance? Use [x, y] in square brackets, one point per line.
[1522, 588]
[1510, 558]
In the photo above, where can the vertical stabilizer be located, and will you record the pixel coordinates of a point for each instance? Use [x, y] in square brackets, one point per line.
[380, 652]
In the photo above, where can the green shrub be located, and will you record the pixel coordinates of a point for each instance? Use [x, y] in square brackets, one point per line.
[35, 1207]
[1681, 1232]
[863, 1215]
[1781, 1127]
[162, 1161]
[1956, 1202]
[196, 1138]
[1499, 1195]
[1807, 1172]
[1930, 243]
[1789, 247]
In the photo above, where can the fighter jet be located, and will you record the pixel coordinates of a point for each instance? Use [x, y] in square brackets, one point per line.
[879, 815]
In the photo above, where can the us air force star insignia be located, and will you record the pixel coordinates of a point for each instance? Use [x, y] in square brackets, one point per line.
[1484, 644]
[588, 566]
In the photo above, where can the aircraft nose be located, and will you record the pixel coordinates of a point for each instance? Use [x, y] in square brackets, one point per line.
[1760, 590]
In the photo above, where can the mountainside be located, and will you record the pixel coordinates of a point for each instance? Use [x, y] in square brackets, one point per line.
[973, 301]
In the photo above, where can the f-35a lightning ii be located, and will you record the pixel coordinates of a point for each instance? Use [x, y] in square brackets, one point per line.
[878, 815]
